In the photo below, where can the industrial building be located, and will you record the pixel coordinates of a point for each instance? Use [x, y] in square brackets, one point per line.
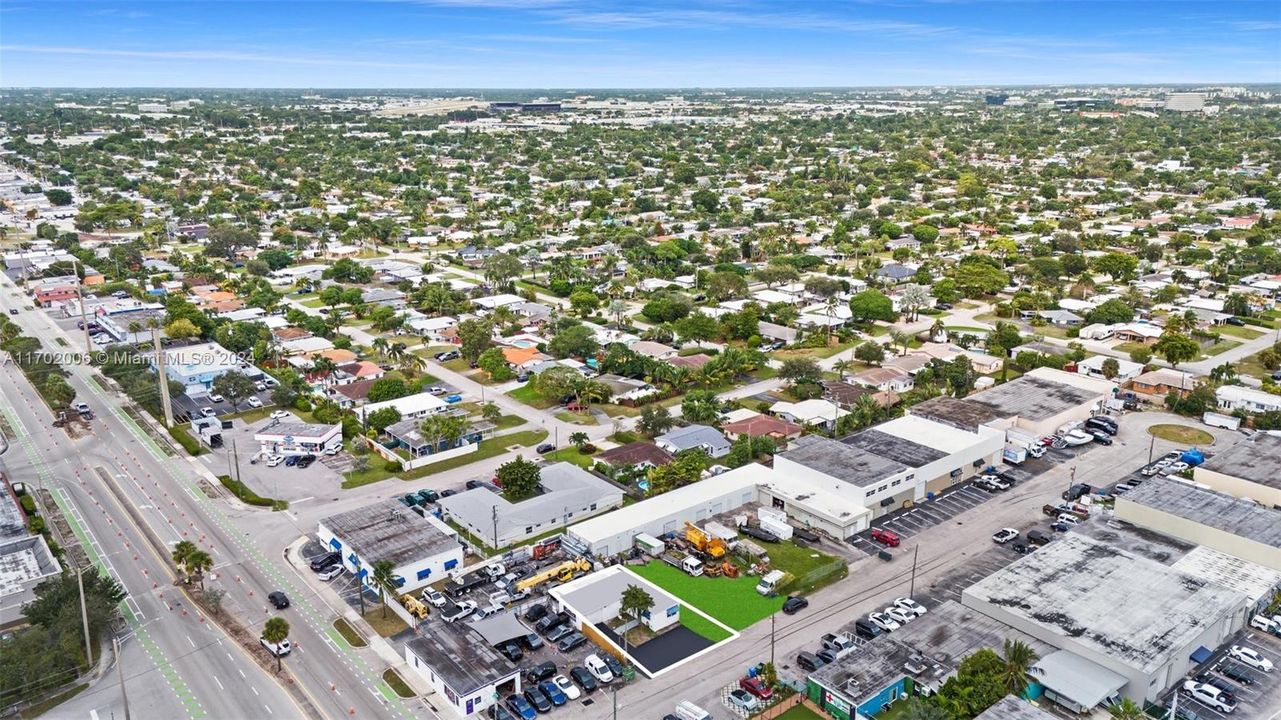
[913, 660]
[566, 493]
[467, 674]
[1011, 708]
[1043, 400]
[421, 549]
[1196, 514]
[1251, 469]
[614, 532]
[195, 367]
[1132, 625]
[25, 559]
[297, 438]
[597, 598]
[896, 463]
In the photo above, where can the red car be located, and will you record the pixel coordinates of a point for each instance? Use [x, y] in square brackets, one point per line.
[885, 537]
[756, 687]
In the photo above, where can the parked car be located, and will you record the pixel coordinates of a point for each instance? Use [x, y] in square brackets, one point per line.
[305, 461]
[447, 355]
[567, 687]
[540, 672]
[583, 678]
[899, 615]
[757, 688]
[275, 460]
[521, 707]
[910, 605]
[865, 628]
[435, 598]
[1250, 657]
[571, 641]
[808, 661]
[458, 612]
[613, 664]
[995, 480]
[535, 612]
[278, 599]
[253, 402]
[827, 656]
[1236, 674]
[536, 698]
[1175, 468]
[1209, 696]
[1004, 535]
[216, 398]
[207, 412]
[883, 621]
[1104, 423]
[885, 537]
[428, 496]
[759, 534]
[330, 573]
[794, 604]
[553, 692]
[279, 415]
[559, 633]
[545, 448]
[1101, 437]
[511, 651]
[986, 485]
[325, 561]
[743, 700]
[531, 641]
[598, 669]
[1235, 321]
[1060, 527]
[1036, 537]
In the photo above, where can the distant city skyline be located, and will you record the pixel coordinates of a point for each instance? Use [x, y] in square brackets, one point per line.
[613, 44]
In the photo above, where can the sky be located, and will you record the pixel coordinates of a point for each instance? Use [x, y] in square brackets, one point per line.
[573, 44]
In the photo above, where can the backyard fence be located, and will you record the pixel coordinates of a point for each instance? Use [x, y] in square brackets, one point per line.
[830, 571]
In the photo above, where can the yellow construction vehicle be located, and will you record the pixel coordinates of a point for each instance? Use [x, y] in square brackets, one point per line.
[414, 606]
[709, 546]
[563, 572]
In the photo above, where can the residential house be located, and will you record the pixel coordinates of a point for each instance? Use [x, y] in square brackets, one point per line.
[1159, 382]
[815, 412]
[1237, 397]
[635, 454]
[702, 437]
[1126, 369]
[748, 423]
[885, 379]
[895, 273]
[1143, 333]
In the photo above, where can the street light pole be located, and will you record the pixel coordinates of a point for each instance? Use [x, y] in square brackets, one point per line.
[911, 592]
[120, 675]
[84, 614]
[80, 298]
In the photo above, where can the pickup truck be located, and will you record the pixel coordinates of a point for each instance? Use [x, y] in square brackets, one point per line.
[1054, 511]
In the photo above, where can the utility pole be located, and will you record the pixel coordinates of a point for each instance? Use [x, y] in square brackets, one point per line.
[120, 675]
[162, 377]
[84, 614]
[1151, 447]
[235, 455]
[80, 298]
[772, 617]
[911, 592]
[494, 517]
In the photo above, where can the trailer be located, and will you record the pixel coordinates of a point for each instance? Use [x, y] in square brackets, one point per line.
[1219, 420]
[649, 544]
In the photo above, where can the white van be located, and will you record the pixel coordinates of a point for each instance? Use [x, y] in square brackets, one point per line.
[770, 582]
[686, 710]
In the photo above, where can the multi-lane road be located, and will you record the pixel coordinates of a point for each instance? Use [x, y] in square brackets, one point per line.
[129, 499]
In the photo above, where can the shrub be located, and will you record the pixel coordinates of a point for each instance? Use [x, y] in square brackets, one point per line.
[249, 497]
[392, 466]
[28, 505]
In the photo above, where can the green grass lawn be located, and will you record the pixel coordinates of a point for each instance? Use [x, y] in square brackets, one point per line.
[1129, 347]
[795, 559]
[509, 421]
[800, 712]
[1252, 367]
[734, 602]
[1245, 333]
[571, 454]
[966, 329]
[491, 447]
[1219, 347]
[576, 418]
[1182, 434]
[527, 395]
[702, 626]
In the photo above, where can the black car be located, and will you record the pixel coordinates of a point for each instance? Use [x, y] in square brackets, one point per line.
[324, 561]
[759, 534]
[13, 311]
[511, 651]
[943, 306]
[1236, 673]
[547, 624]
[430, 496]
[571, 641]
[447, 355]
[865, 628]
[1020, 548]
[448, 493]
[306, 461]
[1101, 437]
[613, 664]
[545, 448]
[827, 656]
[1060, 527]
[795, 604]
[1235, 321]
[584, 679]
[536, 613]
[1006, 477]
[472, 484]
[278, 599]
[540, 672]
[809, 661]
[535, 697]
[808, 536]
[1104, 423]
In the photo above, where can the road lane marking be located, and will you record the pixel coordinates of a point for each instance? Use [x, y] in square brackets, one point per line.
[219, 682]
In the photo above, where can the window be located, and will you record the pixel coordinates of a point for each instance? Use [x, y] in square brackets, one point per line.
[593, 506]
[335, 544]
[529, 529]
[451, 564]
[896, 483]
[882, 488]
[423, 574]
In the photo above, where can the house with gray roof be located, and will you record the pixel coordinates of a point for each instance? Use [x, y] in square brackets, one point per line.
[695, 437]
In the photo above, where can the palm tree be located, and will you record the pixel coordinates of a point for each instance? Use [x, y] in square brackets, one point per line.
[380, 346]
[578, 439]
[182, 551]
[902, 339]
[384, 579]
[1019, 658]
[1126, 709]
[491, 412]
[275, 632]
[322, 368]
[198, 563]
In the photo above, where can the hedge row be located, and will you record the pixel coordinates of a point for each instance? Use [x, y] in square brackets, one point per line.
[184, 438]
[242, 491]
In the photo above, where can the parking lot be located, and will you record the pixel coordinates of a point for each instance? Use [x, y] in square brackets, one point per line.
[345, 587]
[1260, 699]
[281, 482]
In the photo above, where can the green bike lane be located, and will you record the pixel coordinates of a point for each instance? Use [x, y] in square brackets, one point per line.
[234, 538]
[160, 659]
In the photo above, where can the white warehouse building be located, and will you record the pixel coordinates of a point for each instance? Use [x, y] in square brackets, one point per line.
[421, 548]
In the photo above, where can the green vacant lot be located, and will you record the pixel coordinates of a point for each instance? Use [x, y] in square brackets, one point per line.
[702, 626]
[734, 602]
